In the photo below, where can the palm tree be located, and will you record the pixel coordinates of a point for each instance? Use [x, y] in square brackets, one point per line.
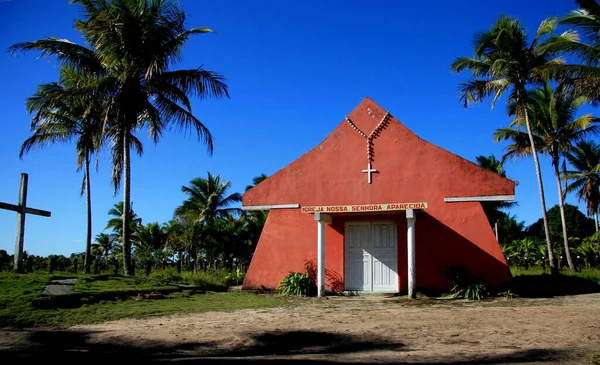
[228, 236]
[257, 180]
[148, 239]
[119, 231]
[133, 44]
[116, 222]
[526, 247]
[184, 234]
[492, 209]
[209, 199]
[105, 244]
[505, 61]
[583, 79]
[555, 129]
[61, 115]
[585, 178]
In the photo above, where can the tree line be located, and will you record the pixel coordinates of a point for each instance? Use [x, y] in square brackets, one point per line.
[205, 233]
[544, 92]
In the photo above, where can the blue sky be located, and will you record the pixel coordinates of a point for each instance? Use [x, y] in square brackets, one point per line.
[294, 70]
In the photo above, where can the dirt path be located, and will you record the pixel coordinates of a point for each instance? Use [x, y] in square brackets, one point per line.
[355, 329]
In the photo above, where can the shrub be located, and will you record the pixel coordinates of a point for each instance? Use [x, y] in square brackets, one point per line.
[508, 294]
[296, 283]
[235, 277]
[476, 291]
[464, 286]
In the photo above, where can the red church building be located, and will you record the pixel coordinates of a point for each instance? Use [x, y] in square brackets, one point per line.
[378, 209]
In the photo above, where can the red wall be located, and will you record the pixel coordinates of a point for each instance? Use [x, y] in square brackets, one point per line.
[410, 170]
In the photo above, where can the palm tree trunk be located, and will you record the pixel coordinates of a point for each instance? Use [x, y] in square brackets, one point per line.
[561, 204]
[596, 220]
[551, 260]
[496, 231]
[127, 267]
[88, 242]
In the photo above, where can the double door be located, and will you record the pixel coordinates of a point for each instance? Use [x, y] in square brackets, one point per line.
[371, 256]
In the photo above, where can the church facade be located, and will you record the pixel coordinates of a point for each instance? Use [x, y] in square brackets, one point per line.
[377, 209]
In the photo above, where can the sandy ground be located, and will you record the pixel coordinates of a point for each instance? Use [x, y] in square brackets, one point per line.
[563, 330]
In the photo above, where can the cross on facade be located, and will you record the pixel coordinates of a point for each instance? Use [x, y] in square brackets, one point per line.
[378, 128]
[369, 171]
[22, 210]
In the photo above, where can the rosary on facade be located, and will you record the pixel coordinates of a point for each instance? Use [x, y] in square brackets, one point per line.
[382, 124]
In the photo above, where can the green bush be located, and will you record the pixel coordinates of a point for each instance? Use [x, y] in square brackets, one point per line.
[464, 286]
[296, 283]
[508, 294]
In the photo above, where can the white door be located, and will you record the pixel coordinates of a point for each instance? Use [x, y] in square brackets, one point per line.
[371, 256]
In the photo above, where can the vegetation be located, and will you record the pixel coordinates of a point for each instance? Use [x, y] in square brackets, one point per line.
[584, 179]
[555, 129]
[18, 293]
[525, 247]
[139, 90]
[108, 91]
[62, 114]
[504, 61]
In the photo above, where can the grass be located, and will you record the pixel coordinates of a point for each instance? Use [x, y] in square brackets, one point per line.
[18, 292]
[587, 273]
[536, 283]
[103, 284]
[210, 279]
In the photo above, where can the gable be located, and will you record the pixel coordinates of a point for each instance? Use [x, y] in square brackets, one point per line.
[409, 169]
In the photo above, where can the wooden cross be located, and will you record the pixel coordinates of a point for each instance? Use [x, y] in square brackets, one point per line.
[369, 171]
[22, 210]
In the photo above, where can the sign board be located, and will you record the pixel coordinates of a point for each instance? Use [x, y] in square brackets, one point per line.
[363, 208]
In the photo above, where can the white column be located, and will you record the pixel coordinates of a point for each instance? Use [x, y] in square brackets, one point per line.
[410, 240]
[321, 219]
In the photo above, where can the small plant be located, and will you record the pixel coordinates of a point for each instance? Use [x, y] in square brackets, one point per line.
[296, 283]
[508, 294]
[463, 286]
[235, 277]
[311, 270]
[476, 291]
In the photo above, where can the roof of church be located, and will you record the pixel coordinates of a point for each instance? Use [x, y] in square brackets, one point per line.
[408, 168]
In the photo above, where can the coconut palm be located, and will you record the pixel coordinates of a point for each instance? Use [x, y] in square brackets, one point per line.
[257, 180]
[584, 179]
[132, 46]
[526, 247]
[185, 234]
[505, 62]
[492, 209]
[60, 115]
[105, 244]
[555, 128]
[209, 199]
[116, 222]
[148, 239]
[583, 42]
[174, 231]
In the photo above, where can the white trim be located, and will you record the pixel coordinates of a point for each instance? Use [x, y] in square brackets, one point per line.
[410, 243]
[269, 207]
[484, 198]
[320, 257]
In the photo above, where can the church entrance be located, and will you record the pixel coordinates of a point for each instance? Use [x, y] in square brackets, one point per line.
[371, 256]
